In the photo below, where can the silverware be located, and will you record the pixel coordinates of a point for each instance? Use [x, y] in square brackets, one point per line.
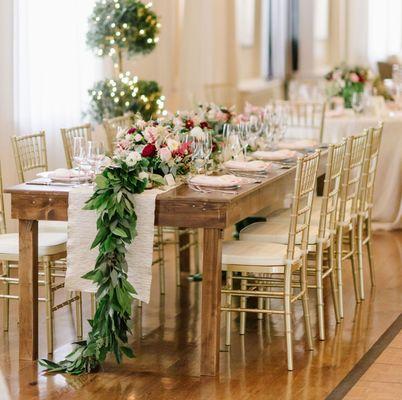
[210, 190]
[41, 183]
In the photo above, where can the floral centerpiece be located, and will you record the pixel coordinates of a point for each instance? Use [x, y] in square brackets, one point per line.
[250, 111]
[144, 154]
[344, 81]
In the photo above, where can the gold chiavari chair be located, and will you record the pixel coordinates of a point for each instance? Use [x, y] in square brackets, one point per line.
[347, 211]
[303, 116]
[30, 154]
[364, 233]
[321, 233]
[68, 135]
[266, 266]
[112, 126]
[51, 248]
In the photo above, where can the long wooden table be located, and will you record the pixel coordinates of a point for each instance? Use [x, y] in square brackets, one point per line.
[179, 207]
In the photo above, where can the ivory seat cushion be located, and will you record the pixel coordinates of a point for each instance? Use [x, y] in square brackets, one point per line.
[49, 243]
[276, 231]
[53, 226]
[255, 253]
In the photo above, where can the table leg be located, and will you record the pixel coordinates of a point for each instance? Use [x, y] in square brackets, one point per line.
[184, 240]
[28, 286]
[211, 301]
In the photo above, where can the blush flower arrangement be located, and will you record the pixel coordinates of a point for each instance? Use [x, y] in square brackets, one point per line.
[344, 81]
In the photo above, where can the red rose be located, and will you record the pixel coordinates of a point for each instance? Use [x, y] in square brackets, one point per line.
[204, 124]
[189, 124]
[131, 131]
[149, 150]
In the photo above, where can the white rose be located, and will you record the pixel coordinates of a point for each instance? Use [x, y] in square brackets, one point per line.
[165, 154]
[143, 175]
[172, 144]
[197, 133]
[132, 158]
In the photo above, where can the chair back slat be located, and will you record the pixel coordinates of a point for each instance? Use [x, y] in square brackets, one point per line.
[305, 182]
[332, 185]
[68, 135]
[352, 177]
[29, 153]
[370, 168]
[113, 125]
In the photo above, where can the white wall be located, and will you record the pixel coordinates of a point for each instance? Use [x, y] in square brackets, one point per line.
[6, 101]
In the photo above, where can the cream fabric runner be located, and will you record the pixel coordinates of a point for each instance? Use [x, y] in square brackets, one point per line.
[82, 231]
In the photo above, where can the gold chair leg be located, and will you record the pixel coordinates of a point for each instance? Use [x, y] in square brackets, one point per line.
[6, 301]
[78, 315]
[288, 318]
[177, 255]
[196, 251]
[352, 241]
[306, 309]
[93, 305]
[49, 306]
[243, 300]
[334, 289]
[369, 251]
[339, 269]
[319, 290]
[229, 283]
[161, 256]
[360, 256]
[260, 305]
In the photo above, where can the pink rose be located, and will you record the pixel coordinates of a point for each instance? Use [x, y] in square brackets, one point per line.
[354, 77]
[165, 154]
[137, 137]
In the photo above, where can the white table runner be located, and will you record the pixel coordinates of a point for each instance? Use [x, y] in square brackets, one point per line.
[82, 231]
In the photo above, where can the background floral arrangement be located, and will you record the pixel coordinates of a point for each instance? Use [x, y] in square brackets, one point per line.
[344, 81]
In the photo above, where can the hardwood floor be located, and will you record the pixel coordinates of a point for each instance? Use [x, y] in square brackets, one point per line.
[166, 340]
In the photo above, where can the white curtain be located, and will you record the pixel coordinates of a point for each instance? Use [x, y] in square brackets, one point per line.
[385, 29]
[53, 68]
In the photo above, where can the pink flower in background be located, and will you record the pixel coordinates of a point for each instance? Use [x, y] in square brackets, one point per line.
[165, 154]
[221, 116]
[354, 77]
[150, 134]
[137, 137]
[184, 149]
[124, 144]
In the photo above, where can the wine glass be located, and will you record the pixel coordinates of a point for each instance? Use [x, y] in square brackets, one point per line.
[202, 149]
[79, 154]
[358, 102]
[243, 138]
[95, 156]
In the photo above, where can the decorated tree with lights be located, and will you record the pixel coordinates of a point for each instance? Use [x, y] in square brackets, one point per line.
[119, 28]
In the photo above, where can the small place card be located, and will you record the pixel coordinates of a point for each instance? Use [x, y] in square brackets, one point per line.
[170, 180]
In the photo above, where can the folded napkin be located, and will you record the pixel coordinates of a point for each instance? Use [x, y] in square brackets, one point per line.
[221, 181]
[60, 173]
[82, 231]
[252, 166]
[277, 155]
[297, 144]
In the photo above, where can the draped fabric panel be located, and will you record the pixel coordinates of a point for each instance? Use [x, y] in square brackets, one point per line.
[53, 68]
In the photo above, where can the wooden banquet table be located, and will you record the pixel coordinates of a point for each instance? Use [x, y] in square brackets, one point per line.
[178, 207]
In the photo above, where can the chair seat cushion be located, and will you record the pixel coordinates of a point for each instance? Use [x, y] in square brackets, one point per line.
[53, 226]
[48, 243]
[255, 253]
[275, 231]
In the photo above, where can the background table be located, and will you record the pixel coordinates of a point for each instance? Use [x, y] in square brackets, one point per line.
[387, 210]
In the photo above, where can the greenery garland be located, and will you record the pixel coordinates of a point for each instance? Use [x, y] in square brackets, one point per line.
[116, 225]
[111, 98]
[117, 25]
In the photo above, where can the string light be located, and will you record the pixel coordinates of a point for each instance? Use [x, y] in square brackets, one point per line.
[149, 40]
[142, 32]
[148, 5]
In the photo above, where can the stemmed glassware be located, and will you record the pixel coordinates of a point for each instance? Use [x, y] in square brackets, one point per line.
[95, 156]
[358, 102]
[79, 155]
[201, 151]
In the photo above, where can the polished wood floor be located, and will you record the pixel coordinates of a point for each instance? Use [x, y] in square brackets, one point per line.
[383, 380]
[166, 340]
